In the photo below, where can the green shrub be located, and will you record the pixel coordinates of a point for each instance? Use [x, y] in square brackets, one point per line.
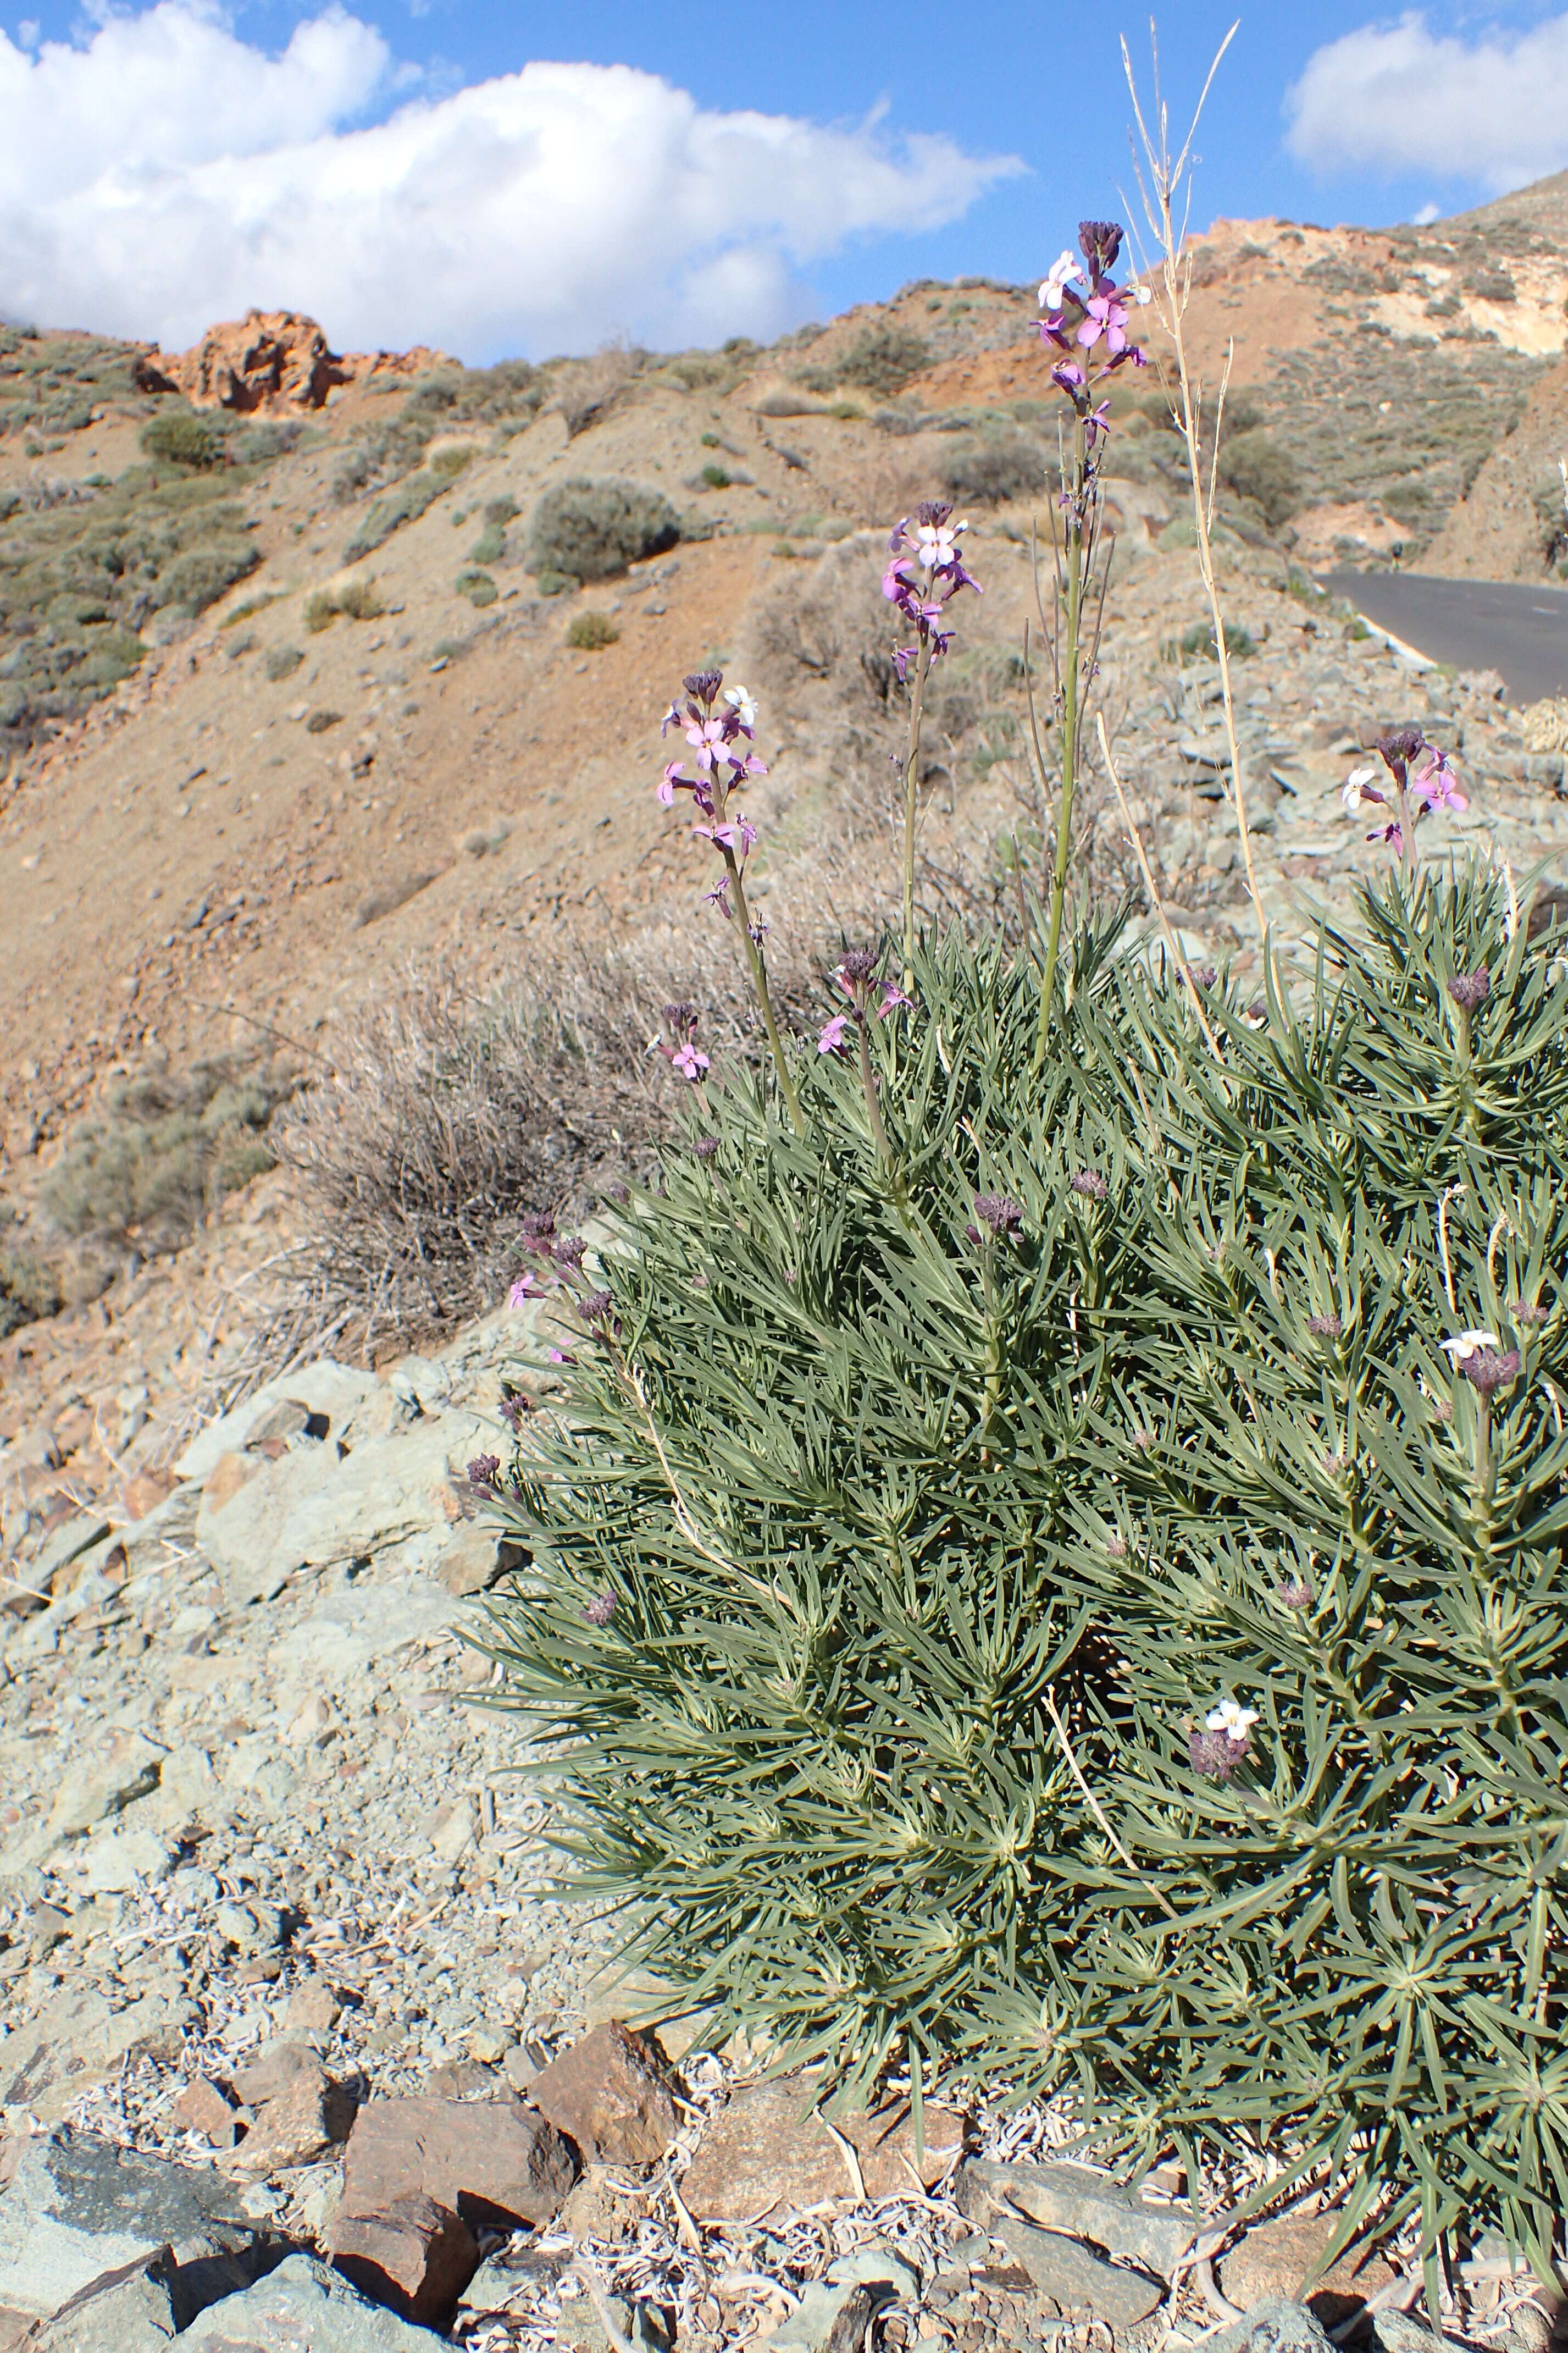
[557, 584]
[405, 503]
[1549, 502]
[360, 600]
[996, 467]
[29, 1290]
[280, 662]
[178, 437]
[901, 1539]
[478, 587]
[449, 463]
[320, 721]
[199, 577]
[490, 545]
[715, 477]
[320, 610]
[588, 632]
[1257, 468]
[1197, 643]
[594, 529]
[160, 1151]
[882, 359]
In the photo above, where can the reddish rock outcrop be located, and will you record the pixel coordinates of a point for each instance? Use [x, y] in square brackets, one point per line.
[270, 363]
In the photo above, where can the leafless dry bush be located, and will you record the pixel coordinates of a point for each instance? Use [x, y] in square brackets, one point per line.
[586, 390]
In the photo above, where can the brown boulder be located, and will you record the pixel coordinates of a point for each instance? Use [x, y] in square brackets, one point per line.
[768, 2149]
[415, 2257]
[612, 2094]
[494, 2162]
[271, 360]
[1276, 2257]
[300, 2123]
[202, 2108]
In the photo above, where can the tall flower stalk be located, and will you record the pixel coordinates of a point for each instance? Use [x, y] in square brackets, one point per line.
[720, 724]
[924, 573]
[1087, 319]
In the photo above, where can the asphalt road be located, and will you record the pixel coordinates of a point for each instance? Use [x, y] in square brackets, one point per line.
[1506, 625]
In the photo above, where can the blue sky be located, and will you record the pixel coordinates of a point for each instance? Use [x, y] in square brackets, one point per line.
[187, 209]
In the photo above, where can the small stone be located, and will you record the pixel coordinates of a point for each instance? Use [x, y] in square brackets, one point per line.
[475, 1557]
[314, 2009]
[1276, 2327]
[451, 1831]
[486, 2046]
[517, 2068]
[767, 2148]
[415, 2257]
[1083, 2203]
[289, 1418]
[828, 2320]
[102, 1786]
[494, 2162]
[298, 2124]
[611, 2095]
[1074, 2280]
[119, 1860]
[202, 2108]
[303, 2304]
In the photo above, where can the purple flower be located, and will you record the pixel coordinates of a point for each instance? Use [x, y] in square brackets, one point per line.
[524, 1291]
[1203, 975]
[537, 1228]
[484, 1471]
[1296, 1593]
[1324, 1327]
[892, 995]
[1216, 1755]
[832, 1037]
[1529, 1310]
[601, 1609]
[690, 1062]
[595, 1308]
[1089, 1185]
[706, 1146]
[1489, 1371]
[561, 1356]
[570, 1251]
[704, 684]
[513, 1410]
[1100, 242]
[998, 1211]
[855, 969]
[1469, 989]
[1436, 786]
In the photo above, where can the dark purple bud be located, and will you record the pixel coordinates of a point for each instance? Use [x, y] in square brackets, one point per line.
[706, 1146]
[595, 1308]
[1089, 1184]
[1203, 975]
[1296, 1593]
[934, 511]
[972, 1234]
[704, 684]
[570, 1251]
[858, 966]
[601, 1609]
[1259, 1010]
[1100, 242]
[619, 1193]
[1324, 1327]
[1398, 748]
[1116, 1547]
[1216, 1755]
[681, 1017]
[484, 1471]
[999, 1211]
[1489, 1372]
[513, 1410]
[1470, 988]
[538, 1227]
[1530, 1311]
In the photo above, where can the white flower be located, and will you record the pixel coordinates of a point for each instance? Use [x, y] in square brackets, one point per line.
[1354, 795]
[1464, 1344]
[1231, 1718]
[743, 704]
[1139, 295]
[1052, 288]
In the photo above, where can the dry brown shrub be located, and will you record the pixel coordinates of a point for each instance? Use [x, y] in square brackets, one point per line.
[586, 390]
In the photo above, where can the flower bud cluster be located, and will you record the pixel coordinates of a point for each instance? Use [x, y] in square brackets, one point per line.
[1086, 310]
[560, 1269]
[924, 573]
[679, 1049]
[720, 724]
[1420, 776]
[1224, 1742]
[856, 976]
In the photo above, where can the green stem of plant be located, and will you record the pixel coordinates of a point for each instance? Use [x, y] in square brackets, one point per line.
[742, 922]
[1069, 677]
[911, 775]
[873, 1108]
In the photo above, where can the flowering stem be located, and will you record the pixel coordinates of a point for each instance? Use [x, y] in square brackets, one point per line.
[911, 772]
[873, 1108]
[1069, 736]
[742, 922]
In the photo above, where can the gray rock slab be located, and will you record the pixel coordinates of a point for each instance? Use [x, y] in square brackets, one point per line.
[77, 2209]
[827, 2319]
[77, 2040]
[1076, 2280]
[67, 1544]
[1083, 2203]
[141, 2306]
[337, 1390]
[353, 1628]
[1278, 2326]
[304, 2306]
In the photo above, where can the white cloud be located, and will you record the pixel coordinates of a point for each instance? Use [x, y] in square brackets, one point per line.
[1428, 213]
[1492, 110]
[165, 174]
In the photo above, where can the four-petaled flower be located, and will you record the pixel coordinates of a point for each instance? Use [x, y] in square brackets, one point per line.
[1465, 1345]
[689, 1061]
[832, 1035]
[1231, 1718]
[1063, 270]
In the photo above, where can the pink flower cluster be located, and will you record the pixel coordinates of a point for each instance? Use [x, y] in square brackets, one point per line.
[1078, 322]
[924, 573]
[855, 977]
[720, 724]
[562, 1256]
[1422, 777]
[679, 1049]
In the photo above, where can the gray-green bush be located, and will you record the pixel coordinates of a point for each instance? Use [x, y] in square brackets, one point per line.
[1080, 1595]
[1255, 466]
[591, 530]
[994, 467]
